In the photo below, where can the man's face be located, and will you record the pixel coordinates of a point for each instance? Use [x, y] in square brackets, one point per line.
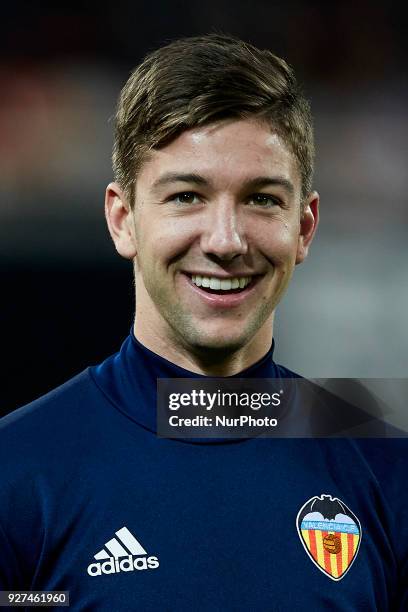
[217, 233]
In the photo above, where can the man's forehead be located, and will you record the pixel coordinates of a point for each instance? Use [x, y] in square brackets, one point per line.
[232, 133]
[237, 129]
[236, 151]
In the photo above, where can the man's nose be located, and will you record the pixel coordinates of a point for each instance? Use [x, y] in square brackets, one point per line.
[223, 234]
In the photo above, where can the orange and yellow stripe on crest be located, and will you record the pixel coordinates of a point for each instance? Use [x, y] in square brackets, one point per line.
[333, 564]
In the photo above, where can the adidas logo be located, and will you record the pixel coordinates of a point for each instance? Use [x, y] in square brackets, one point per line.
[119, 553]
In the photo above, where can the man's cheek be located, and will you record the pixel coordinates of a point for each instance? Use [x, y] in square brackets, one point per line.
[283, 250]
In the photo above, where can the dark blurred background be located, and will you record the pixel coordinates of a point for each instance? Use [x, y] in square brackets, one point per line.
[67, 298]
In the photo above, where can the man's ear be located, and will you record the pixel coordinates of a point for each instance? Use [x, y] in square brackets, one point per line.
[119, 217]
[309, 221]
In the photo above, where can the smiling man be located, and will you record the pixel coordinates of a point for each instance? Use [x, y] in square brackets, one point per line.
[217, 224]
[213, 203]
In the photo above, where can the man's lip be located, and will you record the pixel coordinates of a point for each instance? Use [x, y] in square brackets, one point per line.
[223, 300]
[222, 276]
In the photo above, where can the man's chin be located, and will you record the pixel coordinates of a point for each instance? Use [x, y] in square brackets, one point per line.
[214, 340]
[217, 346]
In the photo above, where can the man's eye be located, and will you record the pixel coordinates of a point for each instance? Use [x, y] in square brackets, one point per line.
[187, 197]
[264, 200]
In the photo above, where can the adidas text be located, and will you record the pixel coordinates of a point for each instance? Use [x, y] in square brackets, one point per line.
[126, 564]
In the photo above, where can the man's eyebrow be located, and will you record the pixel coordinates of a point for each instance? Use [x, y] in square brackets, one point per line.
[260, 182]
[175, 177]
[257, 182]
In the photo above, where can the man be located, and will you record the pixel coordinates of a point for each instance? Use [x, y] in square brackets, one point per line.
[213, 202]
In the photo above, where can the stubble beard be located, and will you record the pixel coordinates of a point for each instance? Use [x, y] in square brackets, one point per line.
[181, 330]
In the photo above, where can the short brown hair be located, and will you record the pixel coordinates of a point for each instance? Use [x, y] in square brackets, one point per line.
[199, 80]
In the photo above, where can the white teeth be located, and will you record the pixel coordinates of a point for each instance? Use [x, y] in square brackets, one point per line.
[225, 284]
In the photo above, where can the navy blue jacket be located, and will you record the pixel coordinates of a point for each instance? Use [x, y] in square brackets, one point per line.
[94, 503]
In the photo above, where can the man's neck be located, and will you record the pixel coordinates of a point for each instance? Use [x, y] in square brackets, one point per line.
[209, 362]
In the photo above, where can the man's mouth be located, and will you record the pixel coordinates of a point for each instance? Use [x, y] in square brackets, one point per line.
[212, 284]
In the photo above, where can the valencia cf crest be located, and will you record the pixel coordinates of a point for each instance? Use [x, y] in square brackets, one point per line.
[330, 534]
